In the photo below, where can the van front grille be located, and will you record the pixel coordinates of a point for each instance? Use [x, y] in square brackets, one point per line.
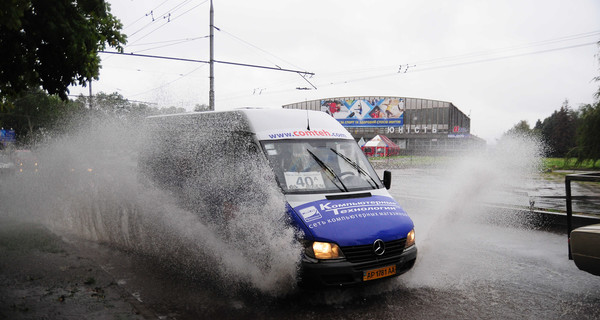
[365, 253]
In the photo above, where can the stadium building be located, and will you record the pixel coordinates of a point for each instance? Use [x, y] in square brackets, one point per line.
[418, 126]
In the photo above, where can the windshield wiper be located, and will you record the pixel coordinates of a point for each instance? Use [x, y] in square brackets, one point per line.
[357, 167]
[329, 170]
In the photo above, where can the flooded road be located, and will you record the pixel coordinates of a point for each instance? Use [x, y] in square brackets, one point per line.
[151, 258]
[473, 263]
[467, 268]
[476, 271]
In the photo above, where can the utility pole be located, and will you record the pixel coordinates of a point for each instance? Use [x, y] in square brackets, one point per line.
[91, 97]
[211, 92]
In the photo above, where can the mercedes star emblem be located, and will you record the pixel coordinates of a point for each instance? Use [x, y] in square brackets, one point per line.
[378, 247]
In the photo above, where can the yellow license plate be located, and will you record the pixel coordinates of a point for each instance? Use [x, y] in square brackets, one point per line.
[379, 273]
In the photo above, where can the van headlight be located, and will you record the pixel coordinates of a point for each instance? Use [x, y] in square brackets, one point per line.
[410, 238]
[324, 250]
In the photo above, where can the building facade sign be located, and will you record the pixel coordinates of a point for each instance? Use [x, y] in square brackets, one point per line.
[387, 112]
[415, 129]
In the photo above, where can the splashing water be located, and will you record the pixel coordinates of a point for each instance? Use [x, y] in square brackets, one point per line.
[459, 235]
[89, 185]
[462, 242]
[113, 204]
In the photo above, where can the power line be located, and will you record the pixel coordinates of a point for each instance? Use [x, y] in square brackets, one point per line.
[166, 23]
[264, 67]
[153, 56]
[168, 83]
[268, 53]
[204, 61]
[415, 68]
[146, 14]
[256, 47]
[168, 41]
[151, 14]
[459, 64]
[467, 57]
[171, 44]
[510, 56]
[512, 48]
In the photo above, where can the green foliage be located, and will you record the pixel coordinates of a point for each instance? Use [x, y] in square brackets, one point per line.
[588, 134]
[171, 110]
[568, 164]
[53, 44]
[36, 116]
[36, 111]
[588, 131]
[520, 129]
[115, 105]
[201, 107]
[559, 131]
[568, 134]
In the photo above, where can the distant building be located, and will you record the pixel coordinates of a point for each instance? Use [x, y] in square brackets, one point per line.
[418, 126]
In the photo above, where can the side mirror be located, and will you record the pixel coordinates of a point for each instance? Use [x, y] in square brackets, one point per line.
[387, 179]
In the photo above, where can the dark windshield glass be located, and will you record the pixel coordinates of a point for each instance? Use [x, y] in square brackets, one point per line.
[323, 166]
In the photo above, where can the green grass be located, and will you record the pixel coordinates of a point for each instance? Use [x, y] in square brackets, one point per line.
[569, 164]
[411, 160]
[548, 164]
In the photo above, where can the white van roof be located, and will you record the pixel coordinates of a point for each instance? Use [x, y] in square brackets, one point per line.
[267, 124]
[272, 124]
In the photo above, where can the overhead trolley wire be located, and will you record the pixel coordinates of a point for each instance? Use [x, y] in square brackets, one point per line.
[168, 83]
[512, 48]
[509, 56]
[418, 66]
[257, 48]
[303, 76]
[206, 62]
[153, 19]
[168, 41]
[172, 44]
[468, 57]
[170, 20]
[164, 16]
[443, 66]
[145, 15]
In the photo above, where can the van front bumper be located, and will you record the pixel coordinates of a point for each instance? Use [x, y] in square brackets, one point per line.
[343, 272]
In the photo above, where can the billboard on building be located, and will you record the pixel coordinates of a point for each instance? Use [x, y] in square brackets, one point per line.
[365, 112]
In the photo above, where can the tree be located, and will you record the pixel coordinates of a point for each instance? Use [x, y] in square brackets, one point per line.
[171, 110]
[201, 107]
[116, 106]
[588, 134]
[537, 129]
[53, 44]
[520, 129]
[35, 111]
[559, 131]
[113, 103]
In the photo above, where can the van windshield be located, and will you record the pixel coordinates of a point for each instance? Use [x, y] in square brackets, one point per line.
[320, 166]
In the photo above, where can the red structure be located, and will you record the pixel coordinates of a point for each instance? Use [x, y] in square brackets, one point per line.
[380, 146]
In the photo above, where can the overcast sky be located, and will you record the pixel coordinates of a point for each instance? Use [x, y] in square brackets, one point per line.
[499, 61]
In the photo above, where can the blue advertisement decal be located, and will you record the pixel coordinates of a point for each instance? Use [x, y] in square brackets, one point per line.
[366, 113]
[7, 136]
[355, 221]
